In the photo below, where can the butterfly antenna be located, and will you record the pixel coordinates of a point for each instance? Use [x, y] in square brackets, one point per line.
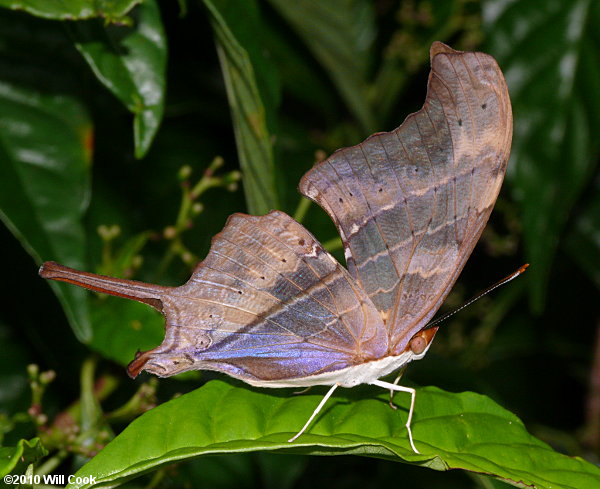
[505, 280]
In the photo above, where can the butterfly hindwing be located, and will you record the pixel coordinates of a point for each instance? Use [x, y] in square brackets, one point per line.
[267, 303]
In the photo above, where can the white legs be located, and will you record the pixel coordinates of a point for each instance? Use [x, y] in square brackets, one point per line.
[386, 385]
[400, 388]
[315, 412]
[400, 374]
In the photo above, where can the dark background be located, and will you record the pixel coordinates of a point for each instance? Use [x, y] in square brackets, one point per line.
[531, 345]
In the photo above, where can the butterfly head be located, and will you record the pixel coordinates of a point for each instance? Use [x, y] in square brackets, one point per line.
[420, 342]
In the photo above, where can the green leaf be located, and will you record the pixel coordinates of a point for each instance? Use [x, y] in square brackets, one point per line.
[121, 328]
[466, 431]
[44, 183]
[130, 61]
[252, 91]
[340, 34]
[112, 10]
[549, 56]
[25, 453]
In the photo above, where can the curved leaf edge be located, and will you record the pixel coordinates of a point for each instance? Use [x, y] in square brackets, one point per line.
[347, 444]
[83, 14]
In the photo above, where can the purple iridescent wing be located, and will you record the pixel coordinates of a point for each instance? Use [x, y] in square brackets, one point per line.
[411, 204]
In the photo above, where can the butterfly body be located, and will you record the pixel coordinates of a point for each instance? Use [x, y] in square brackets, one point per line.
[364, 373]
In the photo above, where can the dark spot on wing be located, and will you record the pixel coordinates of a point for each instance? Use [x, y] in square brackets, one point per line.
[460, 122]
[483, 106]
[202, 343]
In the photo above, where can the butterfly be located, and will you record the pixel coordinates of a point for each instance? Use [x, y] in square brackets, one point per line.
[270, 306]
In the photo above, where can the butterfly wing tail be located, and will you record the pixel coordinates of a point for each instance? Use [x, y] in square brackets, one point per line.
[142, 292]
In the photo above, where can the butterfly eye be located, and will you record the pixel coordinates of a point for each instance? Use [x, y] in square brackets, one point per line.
[418, 345]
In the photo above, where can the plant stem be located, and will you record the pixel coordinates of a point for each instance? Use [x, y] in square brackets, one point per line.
[50, 464]
[302, 209]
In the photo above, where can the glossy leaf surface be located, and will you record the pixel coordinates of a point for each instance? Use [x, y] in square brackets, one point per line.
[24, 453]
[551, 66]
[130, 61]
[467, 431]
[73, 9]
[44, 186]
[252, 110]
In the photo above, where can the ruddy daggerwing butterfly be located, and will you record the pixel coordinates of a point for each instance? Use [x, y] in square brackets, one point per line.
[271, 307]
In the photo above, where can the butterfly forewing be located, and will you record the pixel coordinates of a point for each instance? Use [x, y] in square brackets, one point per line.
[267, 303]
[411, 204]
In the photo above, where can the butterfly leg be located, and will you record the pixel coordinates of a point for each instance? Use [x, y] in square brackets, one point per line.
[315, 412]
[413, 394]
[392, 391]
[303, 391]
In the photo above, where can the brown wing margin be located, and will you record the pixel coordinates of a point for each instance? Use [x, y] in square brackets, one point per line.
[411, 204]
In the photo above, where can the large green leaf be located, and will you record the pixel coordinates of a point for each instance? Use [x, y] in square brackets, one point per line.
[44, 182]
[549, 54]
[252, 90]
[130, 62]
[466, 431]
[340, 34]
[24, 453]
[112, 10]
